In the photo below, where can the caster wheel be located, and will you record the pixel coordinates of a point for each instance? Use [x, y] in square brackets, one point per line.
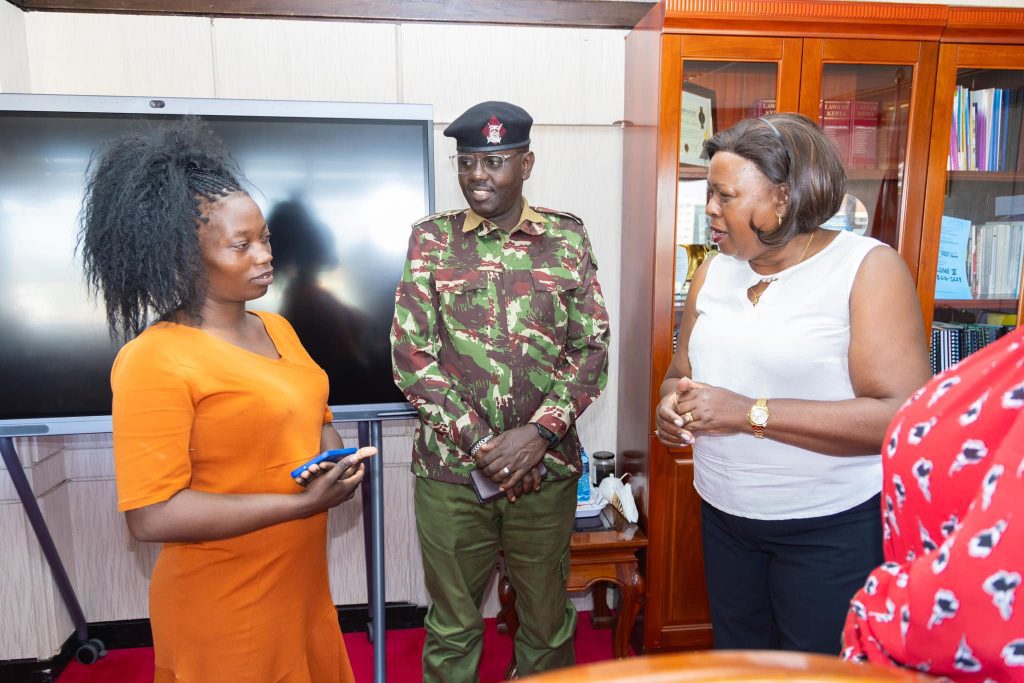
[89, 651]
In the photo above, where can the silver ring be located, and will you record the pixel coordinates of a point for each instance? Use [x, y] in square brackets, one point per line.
[506, 470]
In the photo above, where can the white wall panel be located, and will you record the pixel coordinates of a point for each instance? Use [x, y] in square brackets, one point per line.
[20, 617]
[14, 75]
[108, 54]
[113, 569]
[305, 60]
[33, 619]
[559, 75]
[579, 169]
[56, 624]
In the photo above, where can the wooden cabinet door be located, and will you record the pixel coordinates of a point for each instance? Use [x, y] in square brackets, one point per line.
[716, 80]
[732, 76]
[874, 98]
[677, 613]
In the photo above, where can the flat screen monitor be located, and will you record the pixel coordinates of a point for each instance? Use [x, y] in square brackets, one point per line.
[339, 183]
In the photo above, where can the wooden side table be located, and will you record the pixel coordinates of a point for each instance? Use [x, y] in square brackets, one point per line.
[596, 558]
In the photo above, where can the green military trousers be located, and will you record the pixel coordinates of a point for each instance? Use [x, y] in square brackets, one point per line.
[459, 539]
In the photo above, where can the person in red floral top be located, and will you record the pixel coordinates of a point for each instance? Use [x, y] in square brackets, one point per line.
[953, 527]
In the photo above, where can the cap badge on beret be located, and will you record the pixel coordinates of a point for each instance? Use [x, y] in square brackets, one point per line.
[494, 131]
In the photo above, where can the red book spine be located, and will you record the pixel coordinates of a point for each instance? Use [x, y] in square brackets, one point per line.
[864, 134]
[835, 123]
[763, 107]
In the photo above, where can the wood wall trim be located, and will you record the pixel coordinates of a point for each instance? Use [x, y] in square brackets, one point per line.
[985, 25]
[808, 18]
[578, 13]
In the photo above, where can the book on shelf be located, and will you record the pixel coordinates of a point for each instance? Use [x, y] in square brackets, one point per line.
[952, 342]
[985, 133]
[954, 267]
[864, 134]
[764, 106]
[1015, 121]
[835, 123]
[995, 255]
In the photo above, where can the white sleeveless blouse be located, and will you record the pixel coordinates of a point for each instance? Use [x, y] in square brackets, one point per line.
[793, 344]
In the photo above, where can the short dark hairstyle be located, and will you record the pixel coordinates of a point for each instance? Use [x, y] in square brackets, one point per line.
[789, 149]
[139, 224]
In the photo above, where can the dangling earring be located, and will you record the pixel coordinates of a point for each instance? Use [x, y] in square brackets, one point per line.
[779, 216]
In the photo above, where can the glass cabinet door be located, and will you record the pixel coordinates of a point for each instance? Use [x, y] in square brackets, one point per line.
[977, 281]
[868, 96]
[715, 96]
[723, 79]
[864, 110]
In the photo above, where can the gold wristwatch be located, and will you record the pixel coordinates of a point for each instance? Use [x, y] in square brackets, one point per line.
[758, 417]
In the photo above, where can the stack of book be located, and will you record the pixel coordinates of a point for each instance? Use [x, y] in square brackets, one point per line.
[994, 257]
[852, 125]
[952, 342]
[986, 131]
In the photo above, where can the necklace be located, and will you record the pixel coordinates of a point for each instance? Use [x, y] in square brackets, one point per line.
[756, 296]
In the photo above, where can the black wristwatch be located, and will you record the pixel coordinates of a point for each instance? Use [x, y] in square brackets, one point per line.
[546, 434]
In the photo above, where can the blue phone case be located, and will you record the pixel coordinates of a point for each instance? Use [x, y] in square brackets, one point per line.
[333, 455]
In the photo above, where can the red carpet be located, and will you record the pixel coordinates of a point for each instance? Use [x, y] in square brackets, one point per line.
[403, 652]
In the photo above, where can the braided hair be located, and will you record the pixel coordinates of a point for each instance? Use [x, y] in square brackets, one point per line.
[139, 224]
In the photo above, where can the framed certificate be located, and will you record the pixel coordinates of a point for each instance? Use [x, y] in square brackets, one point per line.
[696, 123]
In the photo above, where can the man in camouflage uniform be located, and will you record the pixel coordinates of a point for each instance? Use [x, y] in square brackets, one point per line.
[500, 340]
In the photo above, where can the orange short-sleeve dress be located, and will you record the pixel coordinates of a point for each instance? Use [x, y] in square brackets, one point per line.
[194, 412]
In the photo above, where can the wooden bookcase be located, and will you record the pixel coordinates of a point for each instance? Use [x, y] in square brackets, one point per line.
[980, 49]
[902, 58]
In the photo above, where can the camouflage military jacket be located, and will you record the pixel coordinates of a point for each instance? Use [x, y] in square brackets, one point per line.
[495, 330]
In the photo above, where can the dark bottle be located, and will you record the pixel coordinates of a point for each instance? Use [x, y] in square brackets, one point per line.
[603, 465]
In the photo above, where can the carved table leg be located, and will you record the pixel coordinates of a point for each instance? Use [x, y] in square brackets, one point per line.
[632, 584]
[600, 616]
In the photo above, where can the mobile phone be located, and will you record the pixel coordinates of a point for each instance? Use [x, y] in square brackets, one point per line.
[333, 455]
[487, 490]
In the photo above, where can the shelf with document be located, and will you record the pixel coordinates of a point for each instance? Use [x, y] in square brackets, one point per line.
[978, 281]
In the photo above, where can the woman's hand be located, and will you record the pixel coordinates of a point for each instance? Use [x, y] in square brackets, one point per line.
[670, 423]
[704, 409]
[333, 484]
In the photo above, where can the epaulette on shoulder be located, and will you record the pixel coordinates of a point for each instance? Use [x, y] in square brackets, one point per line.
[439, 214]
[541, 209]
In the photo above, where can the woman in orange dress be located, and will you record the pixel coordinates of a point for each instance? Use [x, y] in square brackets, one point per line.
[213, 407]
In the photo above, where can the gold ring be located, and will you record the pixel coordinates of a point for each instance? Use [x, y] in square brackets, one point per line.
[687, 417]
[506, 470]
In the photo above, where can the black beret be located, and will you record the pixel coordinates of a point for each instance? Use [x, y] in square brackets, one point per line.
[490, 127]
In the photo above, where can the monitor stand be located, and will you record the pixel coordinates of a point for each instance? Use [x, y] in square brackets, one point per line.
[373, 542]
[89, 649]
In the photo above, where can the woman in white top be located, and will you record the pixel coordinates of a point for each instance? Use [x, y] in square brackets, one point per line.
[797, 346]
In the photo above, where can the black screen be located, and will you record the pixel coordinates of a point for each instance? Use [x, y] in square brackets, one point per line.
[339, 196]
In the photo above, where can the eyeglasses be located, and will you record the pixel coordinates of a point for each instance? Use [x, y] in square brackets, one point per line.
[464, 164]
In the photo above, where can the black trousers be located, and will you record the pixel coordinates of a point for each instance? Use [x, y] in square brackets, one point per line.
[787, 584]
